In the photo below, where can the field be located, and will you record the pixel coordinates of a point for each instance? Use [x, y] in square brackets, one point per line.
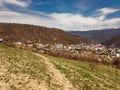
[24, 70]
[88, 76]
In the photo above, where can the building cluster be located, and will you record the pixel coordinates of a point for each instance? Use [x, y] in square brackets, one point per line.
[74, 48]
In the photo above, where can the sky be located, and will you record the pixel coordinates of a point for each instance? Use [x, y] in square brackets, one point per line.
[69, 15]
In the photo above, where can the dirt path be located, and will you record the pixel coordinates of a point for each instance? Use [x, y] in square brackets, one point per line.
[58, 77]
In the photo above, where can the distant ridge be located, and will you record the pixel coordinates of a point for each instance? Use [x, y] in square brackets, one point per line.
[115, 42]
[97, 36]
[12, 32]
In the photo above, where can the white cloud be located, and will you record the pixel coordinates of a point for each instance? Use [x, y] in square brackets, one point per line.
[106, 11]
[21, 3]
[70, 21]
[65, 21]
[102, 13]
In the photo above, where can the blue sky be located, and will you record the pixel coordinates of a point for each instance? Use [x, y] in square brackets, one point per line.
[63, 14]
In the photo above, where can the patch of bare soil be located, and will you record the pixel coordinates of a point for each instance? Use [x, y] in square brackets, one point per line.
[19, 81]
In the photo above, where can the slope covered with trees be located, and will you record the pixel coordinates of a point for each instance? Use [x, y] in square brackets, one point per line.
[30, 33]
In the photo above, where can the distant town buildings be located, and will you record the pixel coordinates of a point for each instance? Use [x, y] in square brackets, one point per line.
[97, 49]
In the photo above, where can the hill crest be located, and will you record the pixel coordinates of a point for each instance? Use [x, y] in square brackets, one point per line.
[97, 36]
[115, 42]
[11, 32]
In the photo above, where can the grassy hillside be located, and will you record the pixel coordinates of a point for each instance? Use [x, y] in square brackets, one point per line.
[23, 70]
[88, 76]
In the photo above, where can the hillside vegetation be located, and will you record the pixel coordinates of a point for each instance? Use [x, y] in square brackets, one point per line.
[36, 34]
[24, 70]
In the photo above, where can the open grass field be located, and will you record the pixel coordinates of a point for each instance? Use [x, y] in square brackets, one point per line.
[88, 76]
[24, 70]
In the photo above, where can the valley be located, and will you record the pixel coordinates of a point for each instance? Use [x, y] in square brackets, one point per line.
[40, 58]
[59, 44]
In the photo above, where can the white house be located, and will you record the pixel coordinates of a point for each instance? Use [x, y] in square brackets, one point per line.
[118, 53]
[39, 45]
[18, 43]
[30, 45]
[1, 40]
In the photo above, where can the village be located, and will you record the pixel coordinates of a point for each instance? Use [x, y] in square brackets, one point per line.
[97, 49]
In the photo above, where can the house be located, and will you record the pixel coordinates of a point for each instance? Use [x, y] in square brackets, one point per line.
[118, 53]
[30, 45]
[1, 40]
[39, 46]
[57, 47]
[71, 47]
[18, 43]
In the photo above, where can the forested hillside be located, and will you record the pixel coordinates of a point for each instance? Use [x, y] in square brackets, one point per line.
[30, 33]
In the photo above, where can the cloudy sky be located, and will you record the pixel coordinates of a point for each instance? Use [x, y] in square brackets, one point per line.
[63, 14]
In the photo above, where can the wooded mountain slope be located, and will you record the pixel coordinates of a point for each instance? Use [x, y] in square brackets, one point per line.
[30, 33]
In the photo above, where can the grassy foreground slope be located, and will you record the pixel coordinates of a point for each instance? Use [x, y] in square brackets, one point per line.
[24, 70]
[88, 76]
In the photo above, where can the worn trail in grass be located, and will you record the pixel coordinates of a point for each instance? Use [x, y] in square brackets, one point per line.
[58, 77]
[88, 76]
[24, 70]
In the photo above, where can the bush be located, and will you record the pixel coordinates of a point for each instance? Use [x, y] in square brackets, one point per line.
[116, 62]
